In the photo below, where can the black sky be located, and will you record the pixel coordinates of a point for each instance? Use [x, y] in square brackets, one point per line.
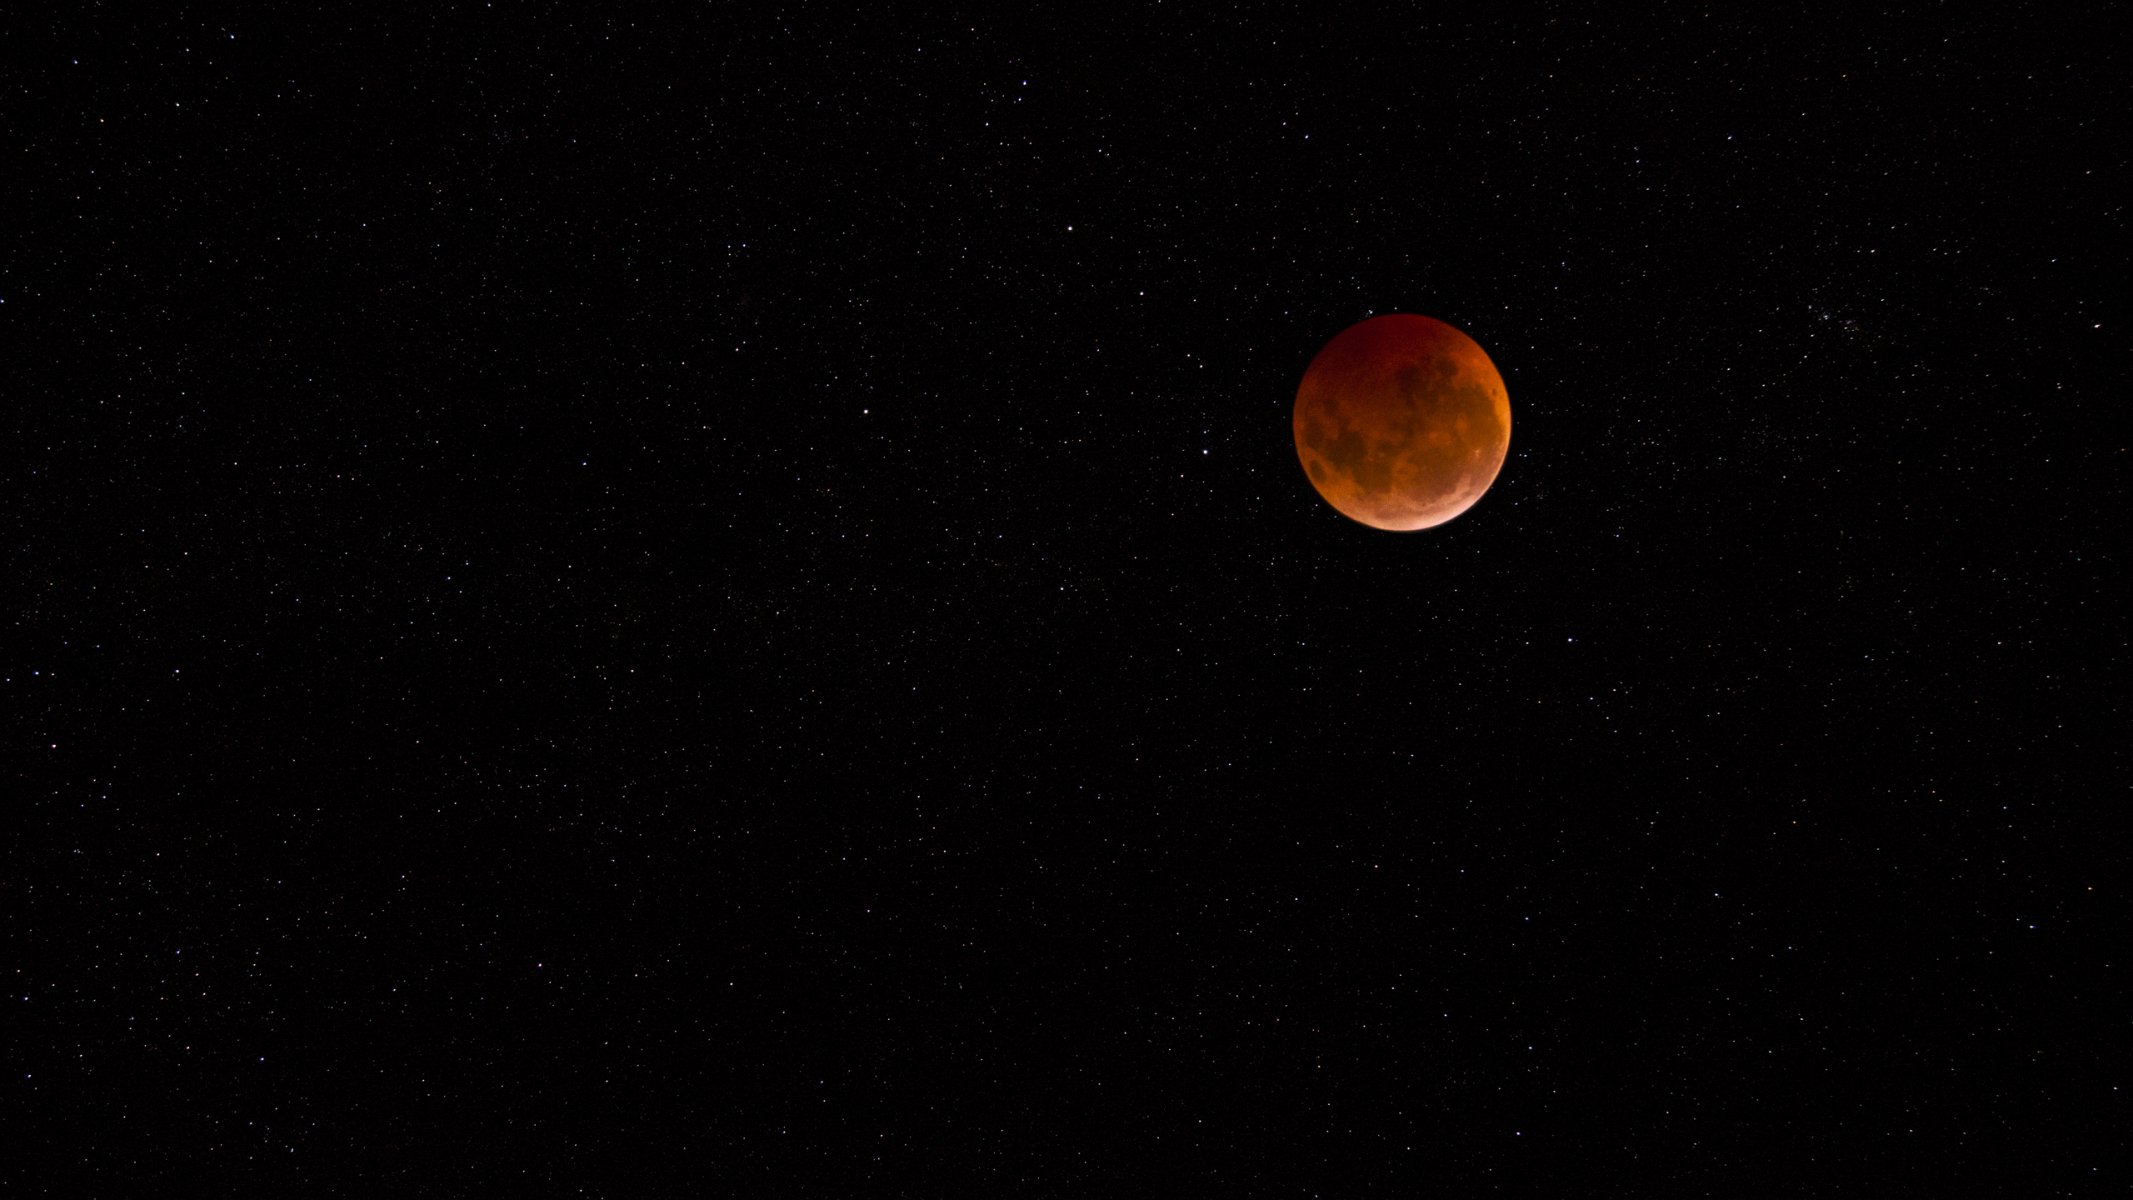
[685, 604]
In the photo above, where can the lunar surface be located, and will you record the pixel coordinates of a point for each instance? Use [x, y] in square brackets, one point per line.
[1402, 422]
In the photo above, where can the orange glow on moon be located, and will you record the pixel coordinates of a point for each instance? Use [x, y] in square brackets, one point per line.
[1402, 422]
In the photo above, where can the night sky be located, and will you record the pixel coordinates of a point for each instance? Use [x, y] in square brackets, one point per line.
[723, 602]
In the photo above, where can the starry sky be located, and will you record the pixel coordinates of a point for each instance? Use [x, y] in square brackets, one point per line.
[722, 602]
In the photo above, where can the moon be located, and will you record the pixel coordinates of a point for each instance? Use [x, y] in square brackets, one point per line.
[1402, 422]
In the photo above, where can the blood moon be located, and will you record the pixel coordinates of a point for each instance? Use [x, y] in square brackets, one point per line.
[1402, 422]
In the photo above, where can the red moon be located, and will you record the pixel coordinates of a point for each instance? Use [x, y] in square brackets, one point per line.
[1402, 422]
